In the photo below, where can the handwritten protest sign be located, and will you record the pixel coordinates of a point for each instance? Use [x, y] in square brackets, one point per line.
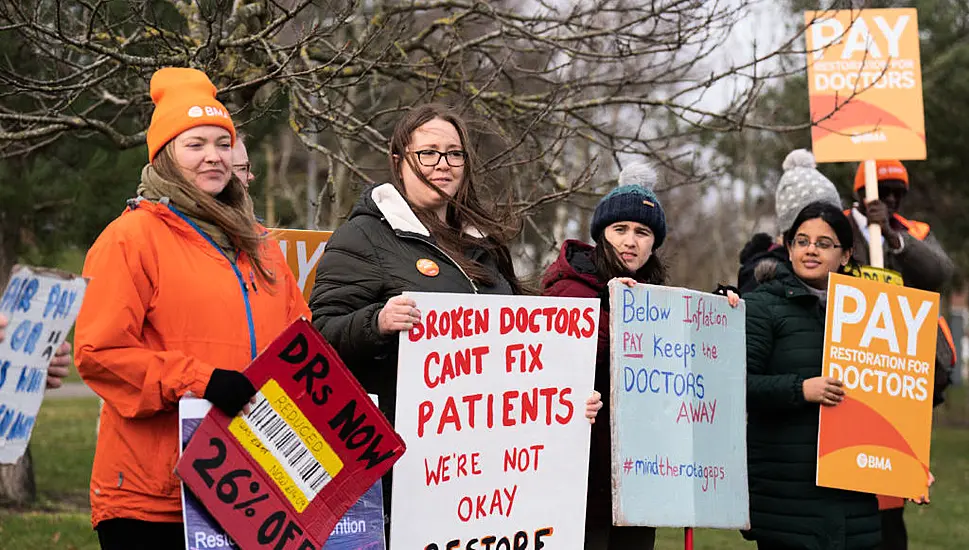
[282, 476]
[880, 341]
[302, 250]
[679, 436]
[491, 395]
[865, 85]
[361, 528]
[41, 306]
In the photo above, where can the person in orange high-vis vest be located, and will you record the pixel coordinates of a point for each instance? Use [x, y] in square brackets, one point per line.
[185, 290]
[910, 247]
[911, 250]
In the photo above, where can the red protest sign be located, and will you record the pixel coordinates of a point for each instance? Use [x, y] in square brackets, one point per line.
[282, 476]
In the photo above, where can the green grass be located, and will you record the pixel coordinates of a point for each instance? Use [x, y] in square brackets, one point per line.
[938, 526]
[63, 449]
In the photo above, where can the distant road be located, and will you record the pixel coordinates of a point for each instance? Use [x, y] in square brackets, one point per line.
[70, 390]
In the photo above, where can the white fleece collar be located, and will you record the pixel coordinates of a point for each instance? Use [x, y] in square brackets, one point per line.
[399, 215]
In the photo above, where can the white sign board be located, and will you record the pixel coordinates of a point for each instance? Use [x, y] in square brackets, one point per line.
[679, 436]
[41, 306]
[491, 395]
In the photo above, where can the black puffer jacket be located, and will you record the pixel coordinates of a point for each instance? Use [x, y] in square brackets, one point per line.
[785, 339]
[370, 259]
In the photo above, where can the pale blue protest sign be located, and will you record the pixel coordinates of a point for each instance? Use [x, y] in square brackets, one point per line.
[361, 528]
[679, 440]
[41, 306]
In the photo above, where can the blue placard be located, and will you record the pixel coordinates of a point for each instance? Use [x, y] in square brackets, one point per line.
[679, 440]
[41, 306]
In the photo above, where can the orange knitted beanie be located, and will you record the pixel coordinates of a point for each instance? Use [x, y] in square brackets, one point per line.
[184, 98]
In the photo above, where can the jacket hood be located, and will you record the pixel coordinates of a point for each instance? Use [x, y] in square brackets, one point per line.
[776, 275]
[384, 201]
[172, 218]
[574, 263]
[163, 211]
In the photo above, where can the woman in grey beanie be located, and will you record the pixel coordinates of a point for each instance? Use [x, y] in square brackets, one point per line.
[800, 184]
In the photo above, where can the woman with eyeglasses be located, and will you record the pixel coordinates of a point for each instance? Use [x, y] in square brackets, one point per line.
[785, 390]
[425, 231]
[185, 290]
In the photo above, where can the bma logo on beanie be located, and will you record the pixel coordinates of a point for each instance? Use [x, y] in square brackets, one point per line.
[196, 112]
[184, 98]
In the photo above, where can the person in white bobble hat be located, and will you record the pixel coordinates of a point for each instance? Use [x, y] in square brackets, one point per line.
[800, 184]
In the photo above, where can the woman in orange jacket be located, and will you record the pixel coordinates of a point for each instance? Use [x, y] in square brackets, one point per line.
[185, 289]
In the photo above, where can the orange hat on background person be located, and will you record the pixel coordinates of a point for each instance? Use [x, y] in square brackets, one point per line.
[184, 98]
[885, 169]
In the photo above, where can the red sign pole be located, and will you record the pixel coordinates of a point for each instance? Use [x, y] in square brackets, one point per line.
[688, 538]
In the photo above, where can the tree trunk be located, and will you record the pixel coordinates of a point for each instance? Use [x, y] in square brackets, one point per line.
[17, 485]
[16, 480]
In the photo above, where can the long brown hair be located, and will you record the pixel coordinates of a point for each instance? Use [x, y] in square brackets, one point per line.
[464, 210]
[608, 265]
[230, 210]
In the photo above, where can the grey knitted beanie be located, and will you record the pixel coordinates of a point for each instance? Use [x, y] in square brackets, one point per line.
[800, 185]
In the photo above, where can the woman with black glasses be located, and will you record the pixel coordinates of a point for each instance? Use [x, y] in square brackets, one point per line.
[425, 231]
[785, 390]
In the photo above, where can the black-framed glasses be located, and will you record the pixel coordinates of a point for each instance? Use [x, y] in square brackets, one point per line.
[430, 157]
[823, 243]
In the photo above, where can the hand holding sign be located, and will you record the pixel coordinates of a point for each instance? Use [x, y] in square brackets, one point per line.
[59, 367]
[592, 406]
[924, 499]
[399, 314]
[825, 390]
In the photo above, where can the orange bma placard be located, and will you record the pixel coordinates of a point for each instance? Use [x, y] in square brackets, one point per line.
[303, 250]
[865, 85]
[879, 340]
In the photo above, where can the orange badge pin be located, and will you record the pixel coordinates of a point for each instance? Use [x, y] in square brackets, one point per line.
[428, 267]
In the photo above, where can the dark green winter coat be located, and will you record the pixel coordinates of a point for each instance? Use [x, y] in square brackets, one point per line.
[785, 337]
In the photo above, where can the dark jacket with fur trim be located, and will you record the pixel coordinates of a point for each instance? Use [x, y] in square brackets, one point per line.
[370, 259]
[761, 249]
[785, 338]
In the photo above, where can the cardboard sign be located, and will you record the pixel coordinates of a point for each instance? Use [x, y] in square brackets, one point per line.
[282, 476]
[41, 306]
[491, 394]
[679, 432]
[302, 250]
[880, 341]
[361, 528]
[865, 85]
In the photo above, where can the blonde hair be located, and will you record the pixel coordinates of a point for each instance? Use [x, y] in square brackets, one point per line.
[229, 210]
